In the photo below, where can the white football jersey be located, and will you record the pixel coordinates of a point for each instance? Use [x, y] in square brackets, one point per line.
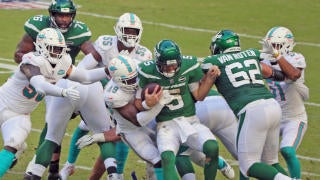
[291, 94]
[107, 47]
[18, 95]
[114, 97]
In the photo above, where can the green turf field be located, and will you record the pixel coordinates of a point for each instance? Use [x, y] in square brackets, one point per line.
[191, 24]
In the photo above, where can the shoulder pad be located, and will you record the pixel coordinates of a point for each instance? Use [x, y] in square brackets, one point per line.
[32, 58]
[143, 53]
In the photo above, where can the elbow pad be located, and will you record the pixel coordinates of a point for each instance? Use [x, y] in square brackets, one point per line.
[277, 75]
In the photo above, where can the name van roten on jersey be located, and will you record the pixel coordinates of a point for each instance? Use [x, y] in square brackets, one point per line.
[230, 57]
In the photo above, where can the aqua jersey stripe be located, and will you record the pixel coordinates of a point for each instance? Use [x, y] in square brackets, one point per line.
[272, 30]
[298, 138]
[126, 63]
[60, 36]
[132, 20]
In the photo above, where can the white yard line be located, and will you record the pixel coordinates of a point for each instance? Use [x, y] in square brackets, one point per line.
[190, 28]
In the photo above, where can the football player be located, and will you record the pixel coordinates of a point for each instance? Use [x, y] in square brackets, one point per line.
[77, 35]
[34, 79]
[181, 77]
[61, 16]
[290, 92]
[128, 29]
[241, 84]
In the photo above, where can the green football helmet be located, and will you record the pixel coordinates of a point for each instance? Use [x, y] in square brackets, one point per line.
[62, 7]
[225, 41]
[167, 57]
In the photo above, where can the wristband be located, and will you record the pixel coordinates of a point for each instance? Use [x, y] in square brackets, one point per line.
[145, 106]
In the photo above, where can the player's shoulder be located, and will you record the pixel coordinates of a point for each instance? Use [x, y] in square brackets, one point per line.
[33, 58]
[115, 97]
[105, 42]
[188, 62]
[35, 24]
[142, 53]
[78, 30]
[296, 59]
[147, 66]
[66, 61]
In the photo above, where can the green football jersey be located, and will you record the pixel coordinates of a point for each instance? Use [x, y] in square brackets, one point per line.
[77, 34]
[241, 81]
[183, 103]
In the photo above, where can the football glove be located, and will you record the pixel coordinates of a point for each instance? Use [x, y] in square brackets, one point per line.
[71, 93]
[87, 140]
[267, 50]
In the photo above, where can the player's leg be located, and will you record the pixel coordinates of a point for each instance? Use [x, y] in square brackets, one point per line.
[292, 134]
[73, 153]
[199, 159]
[122, 151]
[255, 122]
[108, 154]
[15, 129]
[97, 119]
[206, 142]
[185, 168]
[141, 143]
[215, 113]
[168, 143]
[98, 169]
[57, 119]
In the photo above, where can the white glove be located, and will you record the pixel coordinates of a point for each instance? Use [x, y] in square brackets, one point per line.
[71, 93]
[268, 52]
[166, 98]
[87, 140]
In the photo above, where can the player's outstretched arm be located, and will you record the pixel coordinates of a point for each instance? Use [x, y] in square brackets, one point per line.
[24, 46]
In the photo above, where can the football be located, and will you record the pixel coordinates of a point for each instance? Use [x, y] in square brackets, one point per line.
[151, 87]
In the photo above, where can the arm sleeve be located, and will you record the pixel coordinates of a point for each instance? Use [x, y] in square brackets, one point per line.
[144, 117]
[88, 62]
[43, 87]
[87, 76]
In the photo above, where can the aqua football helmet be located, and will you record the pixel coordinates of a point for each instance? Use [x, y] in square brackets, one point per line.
[65, 7]
[128, 21]
[51, 45]
[167, 57]
[225, 41]
[123, 71]
[281, 38]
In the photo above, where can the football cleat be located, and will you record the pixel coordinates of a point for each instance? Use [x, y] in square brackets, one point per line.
[227, 171]
[67, 170]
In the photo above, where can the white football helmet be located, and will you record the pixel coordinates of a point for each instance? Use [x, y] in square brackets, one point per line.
[281, 38]
[128, 20]
[123, 71]
[50, 44]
